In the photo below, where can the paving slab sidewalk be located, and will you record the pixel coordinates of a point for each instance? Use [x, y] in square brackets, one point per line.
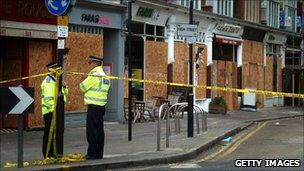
[119, 152]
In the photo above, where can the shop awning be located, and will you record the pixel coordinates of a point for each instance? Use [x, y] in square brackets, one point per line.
[228, 40]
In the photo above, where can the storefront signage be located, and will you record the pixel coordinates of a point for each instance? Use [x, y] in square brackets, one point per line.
[91, 18]
[26, 11]
[275, 38]
[96, 17]
[147, 13]
[228, 28]
[27, 33]
[57, 7]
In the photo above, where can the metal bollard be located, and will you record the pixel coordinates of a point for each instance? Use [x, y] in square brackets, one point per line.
[167, 128]
[204, 122]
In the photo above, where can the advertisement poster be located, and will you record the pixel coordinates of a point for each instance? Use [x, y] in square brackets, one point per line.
[137, 74]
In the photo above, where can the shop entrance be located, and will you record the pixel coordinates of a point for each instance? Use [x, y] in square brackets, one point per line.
[12, 65]
[137, 66]
[298, 86]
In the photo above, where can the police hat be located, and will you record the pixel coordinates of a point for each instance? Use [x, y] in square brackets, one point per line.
[52, 65]
[95, 59]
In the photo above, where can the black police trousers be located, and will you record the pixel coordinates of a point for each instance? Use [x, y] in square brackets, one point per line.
[47, 125]
[95, 131]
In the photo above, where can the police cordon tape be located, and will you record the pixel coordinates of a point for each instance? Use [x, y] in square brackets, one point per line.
[79, 157]
[228, 89]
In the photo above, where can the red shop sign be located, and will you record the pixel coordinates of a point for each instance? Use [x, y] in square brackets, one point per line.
[32, 11]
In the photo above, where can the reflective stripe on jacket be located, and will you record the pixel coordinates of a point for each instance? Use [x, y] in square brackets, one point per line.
[96, 88]
[48, 94]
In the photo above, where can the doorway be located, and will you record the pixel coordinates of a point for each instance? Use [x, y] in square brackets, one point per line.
[12, 63]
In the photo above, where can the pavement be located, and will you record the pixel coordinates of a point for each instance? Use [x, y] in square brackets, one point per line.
[141, 151]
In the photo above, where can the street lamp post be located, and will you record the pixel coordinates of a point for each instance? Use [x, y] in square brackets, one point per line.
[190, 96]
[130, 112]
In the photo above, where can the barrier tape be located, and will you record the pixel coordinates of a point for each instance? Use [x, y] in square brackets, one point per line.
[79, 157]
[25, 78]
[226, 89]
[52, 131]
[64, 159]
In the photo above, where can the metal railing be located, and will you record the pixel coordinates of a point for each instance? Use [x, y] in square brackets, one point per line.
[176, 111]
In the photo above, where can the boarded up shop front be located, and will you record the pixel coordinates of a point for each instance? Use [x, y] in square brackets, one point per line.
[96, 29]
[225, 70]
[275, 62]
[28, 44]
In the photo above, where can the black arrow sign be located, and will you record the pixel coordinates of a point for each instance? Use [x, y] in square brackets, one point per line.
[16, 100]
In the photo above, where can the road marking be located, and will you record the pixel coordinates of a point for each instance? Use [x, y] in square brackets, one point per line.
[185, 166]
[231, 147]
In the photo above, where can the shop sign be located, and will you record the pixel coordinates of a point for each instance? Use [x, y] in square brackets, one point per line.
[148, 13]
[275, 38]
[228, 28]
[95, 18]
[32, 11]
[27, 33]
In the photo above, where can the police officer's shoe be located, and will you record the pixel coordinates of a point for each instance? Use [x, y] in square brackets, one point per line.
[88, 157]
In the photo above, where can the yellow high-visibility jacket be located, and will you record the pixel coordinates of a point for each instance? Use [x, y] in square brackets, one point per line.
[48, 88]
[96, 88]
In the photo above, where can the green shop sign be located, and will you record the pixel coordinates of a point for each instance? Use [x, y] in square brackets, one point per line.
[145, 12]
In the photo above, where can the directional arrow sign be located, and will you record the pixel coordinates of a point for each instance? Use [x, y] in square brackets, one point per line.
[16, 100]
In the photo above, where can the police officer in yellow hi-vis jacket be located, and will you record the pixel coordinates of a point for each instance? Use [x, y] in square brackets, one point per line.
[95, 91]
[48, 88]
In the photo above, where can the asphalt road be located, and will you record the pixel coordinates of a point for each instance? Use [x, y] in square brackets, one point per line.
[281, 139]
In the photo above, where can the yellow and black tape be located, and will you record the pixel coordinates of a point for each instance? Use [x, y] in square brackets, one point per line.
[64, 159]
[227, 89]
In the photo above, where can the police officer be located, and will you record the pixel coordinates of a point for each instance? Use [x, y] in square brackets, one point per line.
[48, 88]
[95, 91]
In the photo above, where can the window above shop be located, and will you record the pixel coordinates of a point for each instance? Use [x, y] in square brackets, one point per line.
[252, 11]
[222, 7]
[151, 32]
[186, 3]
[270, 10]
[273, 50]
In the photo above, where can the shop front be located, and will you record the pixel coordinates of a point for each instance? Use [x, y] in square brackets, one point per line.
[96, 28]
[158, 58]
[225, 62]
[274, 47]
[293, 71]
[28, 36]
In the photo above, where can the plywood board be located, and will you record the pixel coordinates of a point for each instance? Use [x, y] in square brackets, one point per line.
[269, 74]
[40, 54]
[81, 46]
[180, 65]
[202, 73]
[156, 68]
